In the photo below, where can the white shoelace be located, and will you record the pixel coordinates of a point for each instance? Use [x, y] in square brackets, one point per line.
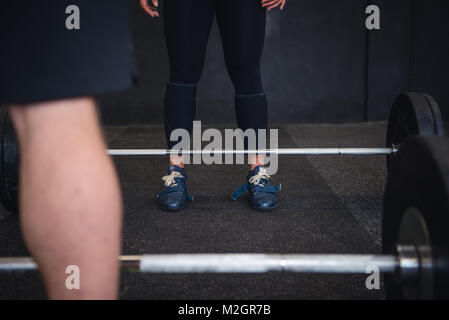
[262, 174]
[169, 181]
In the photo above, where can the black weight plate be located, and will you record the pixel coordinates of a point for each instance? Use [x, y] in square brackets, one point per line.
[413, 114]
[8, 165]
[419, 181]
[3, 193]
[436, 113]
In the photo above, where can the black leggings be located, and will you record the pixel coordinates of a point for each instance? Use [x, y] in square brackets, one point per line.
[242, 27]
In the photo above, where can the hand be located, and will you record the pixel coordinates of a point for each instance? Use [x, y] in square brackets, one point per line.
[273, 4]
[150, 9]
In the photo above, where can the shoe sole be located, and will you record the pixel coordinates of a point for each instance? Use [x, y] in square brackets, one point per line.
[168, 209]
[264, 209]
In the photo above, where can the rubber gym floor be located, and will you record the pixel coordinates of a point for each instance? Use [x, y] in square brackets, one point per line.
[328, 204]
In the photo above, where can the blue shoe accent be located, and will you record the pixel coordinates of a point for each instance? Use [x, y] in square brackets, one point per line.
[262, 195]
[175, 193]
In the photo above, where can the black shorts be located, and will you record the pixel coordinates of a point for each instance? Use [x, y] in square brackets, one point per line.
[41, 59]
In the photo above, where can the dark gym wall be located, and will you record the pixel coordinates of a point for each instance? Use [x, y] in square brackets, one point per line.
[320, 63]
[388, 57]
[306, 47]
[430, 51]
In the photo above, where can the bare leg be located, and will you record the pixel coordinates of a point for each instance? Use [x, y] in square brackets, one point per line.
[70, 204]
[176, 160]
[256, 161]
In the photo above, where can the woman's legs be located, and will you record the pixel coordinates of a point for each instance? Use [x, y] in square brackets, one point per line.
[242, 29]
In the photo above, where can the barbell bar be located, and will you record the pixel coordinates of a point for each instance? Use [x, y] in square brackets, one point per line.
[281, 151]
[241, 263]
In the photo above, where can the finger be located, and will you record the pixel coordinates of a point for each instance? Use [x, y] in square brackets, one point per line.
[150, 10]
[154, 8]
[269, 2]
[144, 6]
[155, 13]
[273, 6]
[283, 5]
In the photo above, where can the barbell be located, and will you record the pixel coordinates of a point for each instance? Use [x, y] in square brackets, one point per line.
[415, 258]
[279, 151]
[411, 114]
[243, 263]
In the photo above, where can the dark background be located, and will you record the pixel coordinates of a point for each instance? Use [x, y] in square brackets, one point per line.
[320, 65]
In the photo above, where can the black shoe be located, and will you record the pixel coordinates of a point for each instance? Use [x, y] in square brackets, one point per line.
[175, 193]
[262, 195]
